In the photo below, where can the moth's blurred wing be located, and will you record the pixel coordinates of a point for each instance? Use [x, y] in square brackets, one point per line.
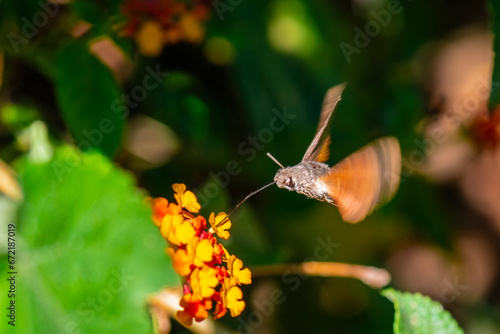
[319, 149]
[365, 179]
[322, 153]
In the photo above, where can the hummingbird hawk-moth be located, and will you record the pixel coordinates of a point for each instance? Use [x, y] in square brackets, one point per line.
[356, 185]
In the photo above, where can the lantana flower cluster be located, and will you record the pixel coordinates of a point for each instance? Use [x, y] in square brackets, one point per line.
[156, 23]
[209, 273]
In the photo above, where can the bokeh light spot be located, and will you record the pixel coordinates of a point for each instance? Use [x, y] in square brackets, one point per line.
[290, 30]
[219, 51]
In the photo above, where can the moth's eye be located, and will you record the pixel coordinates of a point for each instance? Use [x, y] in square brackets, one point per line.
[289, 183]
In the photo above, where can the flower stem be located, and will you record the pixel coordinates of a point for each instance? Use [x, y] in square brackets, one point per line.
[371, 276]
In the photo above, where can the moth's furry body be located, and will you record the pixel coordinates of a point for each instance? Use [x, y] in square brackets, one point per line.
[304, 179]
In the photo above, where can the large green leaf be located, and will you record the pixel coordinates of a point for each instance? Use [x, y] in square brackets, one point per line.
[89, 98]
[417, 314]
[88, 254]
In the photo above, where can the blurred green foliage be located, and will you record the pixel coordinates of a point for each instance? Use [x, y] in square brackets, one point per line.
[494, 10]
[86, 257]
[92, 124]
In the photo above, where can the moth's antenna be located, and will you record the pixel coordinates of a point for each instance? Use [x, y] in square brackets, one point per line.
[250, 195]
[274, 159]
[256, 191]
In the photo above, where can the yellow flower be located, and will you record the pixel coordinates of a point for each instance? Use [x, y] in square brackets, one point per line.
[202, 251]
[220, 224]
[177, 230]
[234, 302]
[234, 266]
[186, 199]
[203, 282]
[185, 232]
[230, 298]
[149, 39]
[168, 223]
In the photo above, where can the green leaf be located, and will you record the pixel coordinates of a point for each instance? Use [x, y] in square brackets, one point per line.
[89, 99]
[87, 252]
[17, 116]
[494, 10]
[91, 12]
[417, 314]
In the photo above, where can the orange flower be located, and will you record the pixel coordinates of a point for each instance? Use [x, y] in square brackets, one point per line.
[182, 262]
[199, 223]
[193, 308]
[220, 224]
[161, 207]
